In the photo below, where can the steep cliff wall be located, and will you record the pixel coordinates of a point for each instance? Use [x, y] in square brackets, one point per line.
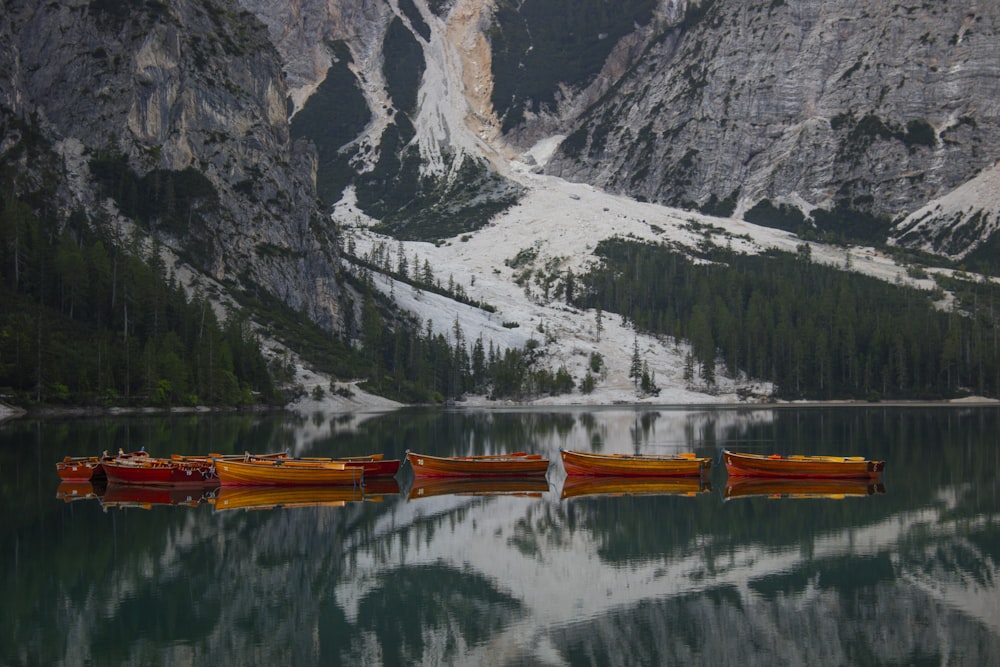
[870, 107]
[187, 92]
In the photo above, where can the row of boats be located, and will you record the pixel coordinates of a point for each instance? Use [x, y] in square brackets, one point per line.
[277, 479]
[147, 496]
[280, 469]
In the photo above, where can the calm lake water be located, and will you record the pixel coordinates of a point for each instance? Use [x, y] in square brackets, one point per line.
[550, 574]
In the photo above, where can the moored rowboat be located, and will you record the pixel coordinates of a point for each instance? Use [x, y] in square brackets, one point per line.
[633, 465]
[283, 472]
[157, 471]
[80, 468]
[90, 468]
[489, 465]
[740, 464]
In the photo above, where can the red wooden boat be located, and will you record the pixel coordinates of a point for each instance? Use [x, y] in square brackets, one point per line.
[634, 465]
[158, 471]
[285, 472]
[86, 468]
[740, 464]
[489, 465]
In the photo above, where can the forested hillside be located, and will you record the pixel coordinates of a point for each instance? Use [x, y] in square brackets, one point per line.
[816, 331]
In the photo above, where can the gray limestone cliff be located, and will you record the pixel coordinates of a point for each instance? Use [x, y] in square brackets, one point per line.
[184, 90]
[869, 108]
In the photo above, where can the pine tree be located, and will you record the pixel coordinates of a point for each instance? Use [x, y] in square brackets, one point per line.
[635, 369]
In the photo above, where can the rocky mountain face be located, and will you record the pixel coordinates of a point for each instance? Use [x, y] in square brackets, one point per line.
[865, 111]
[262, 114]
[870, 108]
[174, 103]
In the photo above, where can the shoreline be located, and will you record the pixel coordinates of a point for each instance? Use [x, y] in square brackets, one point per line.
[10, 412]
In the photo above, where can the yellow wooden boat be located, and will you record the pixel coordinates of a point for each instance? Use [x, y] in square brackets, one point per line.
[634, 465]
[285, 472]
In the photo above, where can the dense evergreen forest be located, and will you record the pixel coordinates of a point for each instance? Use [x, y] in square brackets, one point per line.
[815, 330]
[85, 321]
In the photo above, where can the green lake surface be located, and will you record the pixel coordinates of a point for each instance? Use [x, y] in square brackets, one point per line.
[902, 571]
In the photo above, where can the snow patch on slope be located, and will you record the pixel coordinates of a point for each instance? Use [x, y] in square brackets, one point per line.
[957, 223]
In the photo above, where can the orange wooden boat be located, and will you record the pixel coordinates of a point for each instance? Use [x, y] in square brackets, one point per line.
[634, 465]
[282, 497]
[774, 487]
[740, 464]
[80, 468]
[489, 465]
[530, 486]
[579, 486]
[285, 472]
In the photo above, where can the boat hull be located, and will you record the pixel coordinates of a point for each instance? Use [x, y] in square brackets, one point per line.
[286, 473]
[500, 465]
[814, 467]
[162, 472]
[80, 468]
[633, 465]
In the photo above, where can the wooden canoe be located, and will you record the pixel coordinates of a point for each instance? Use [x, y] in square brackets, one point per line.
[489, 465]
[633, 465]
[157, 471]
[773, 487]
[531, 486]
[276, 497]
[740, 464]
[285, 472]
[612, 487]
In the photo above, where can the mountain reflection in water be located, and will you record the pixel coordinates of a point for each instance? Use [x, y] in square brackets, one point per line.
[617, 575]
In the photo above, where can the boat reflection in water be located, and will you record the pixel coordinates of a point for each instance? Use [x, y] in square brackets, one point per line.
[285, 497]
[146, 496]
[78, 490]
[576, 487]
[776, 487]
[531, 486]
